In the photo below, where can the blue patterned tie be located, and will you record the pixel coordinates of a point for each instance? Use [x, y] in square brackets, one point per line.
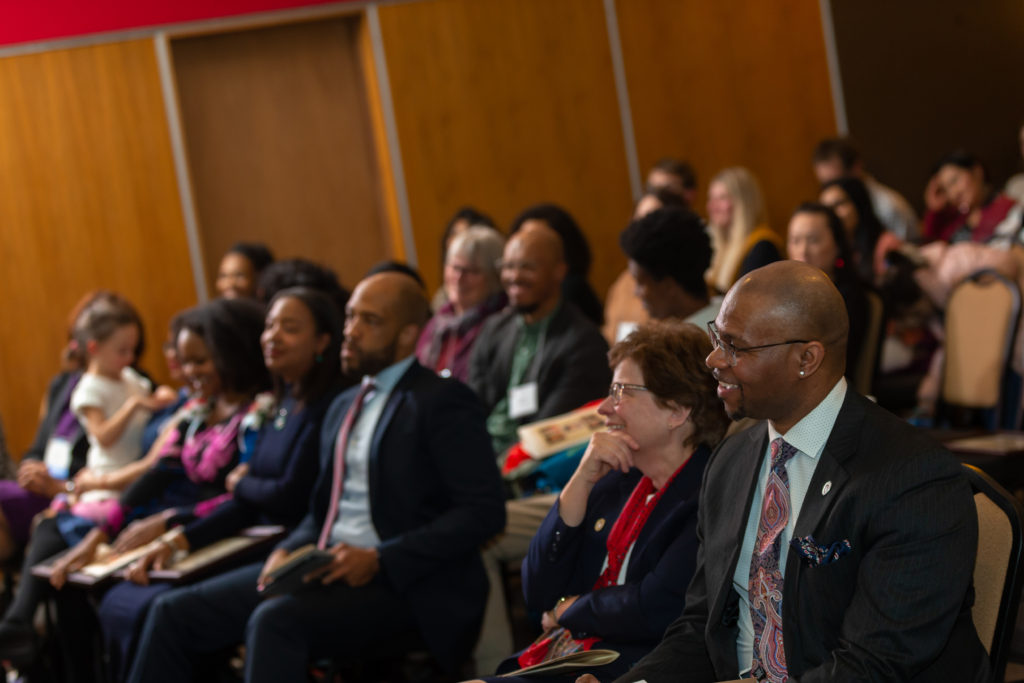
[769, 661]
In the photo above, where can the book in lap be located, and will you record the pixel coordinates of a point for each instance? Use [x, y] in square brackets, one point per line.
[290, 575]
[109, 566]
[249, 545]
[102, 570]
[584, 659]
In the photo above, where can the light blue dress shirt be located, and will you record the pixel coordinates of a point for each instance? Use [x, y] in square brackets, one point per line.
[353, 524]
[808, 436]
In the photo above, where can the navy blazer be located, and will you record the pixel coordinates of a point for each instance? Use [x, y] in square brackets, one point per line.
[281, 475]
[435, 498]
[565, 560]
[895, 608]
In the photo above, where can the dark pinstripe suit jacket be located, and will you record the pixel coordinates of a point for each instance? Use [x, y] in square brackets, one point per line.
[896, 608]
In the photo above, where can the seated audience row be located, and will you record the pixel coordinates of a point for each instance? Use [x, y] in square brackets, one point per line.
[219, 349]
[396, 481]
[191, 459]
[419, 494]
[301, 343]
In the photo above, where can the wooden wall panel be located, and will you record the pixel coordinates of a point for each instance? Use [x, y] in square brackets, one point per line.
[506, 103]
[730, 83]
[88, 199]
[280, 144]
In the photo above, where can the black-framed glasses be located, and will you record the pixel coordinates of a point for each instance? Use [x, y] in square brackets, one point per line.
[616, 389]
[730, 350]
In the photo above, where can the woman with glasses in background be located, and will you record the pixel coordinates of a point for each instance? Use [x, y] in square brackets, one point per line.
[472, 288]
[611, 563]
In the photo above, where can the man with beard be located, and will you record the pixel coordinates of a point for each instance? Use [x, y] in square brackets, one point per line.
[539, 358]
[837, 541]
[407, 493]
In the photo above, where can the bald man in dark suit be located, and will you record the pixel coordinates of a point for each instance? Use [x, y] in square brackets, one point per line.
[837, 542]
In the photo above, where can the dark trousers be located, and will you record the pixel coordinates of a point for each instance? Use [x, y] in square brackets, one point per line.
[122, 613]
[282, 635]
[75, 637]
[32, 590]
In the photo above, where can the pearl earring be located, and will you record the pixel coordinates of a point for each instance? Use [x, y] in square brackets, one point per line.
[801, 373]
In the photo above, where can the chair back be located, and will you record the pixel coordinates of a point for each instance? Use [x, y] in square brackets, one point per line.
[981, 319]
[863, 376]
[997, 567]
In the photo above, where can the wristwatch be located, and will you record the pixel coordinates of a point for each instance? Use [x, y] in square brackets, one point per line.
[69, 485]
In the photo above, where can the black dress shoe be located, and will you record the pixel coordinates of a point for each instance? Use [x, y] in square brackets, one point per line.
[19, 643]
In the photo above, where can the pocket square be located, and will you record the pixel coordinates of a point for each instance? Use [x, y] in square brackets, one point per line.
[817, 555]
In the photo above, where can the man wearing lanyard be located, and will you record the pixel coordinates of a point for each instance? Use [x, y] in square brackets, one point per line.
[539, 358]
[837, 541]
[407, 493]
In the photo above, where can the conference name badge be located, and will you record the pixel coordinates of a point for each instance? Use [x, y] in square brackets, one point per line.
[522, 400]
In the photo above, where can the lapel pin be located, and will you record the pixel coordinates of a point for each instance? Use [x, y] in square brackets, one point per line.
[826, 488]
[599, 524]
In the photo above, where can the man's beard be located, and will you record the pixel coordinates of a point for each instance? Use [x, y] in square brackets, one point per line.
[740, 411]
[739, 414]
[526, 309]
[371, 362]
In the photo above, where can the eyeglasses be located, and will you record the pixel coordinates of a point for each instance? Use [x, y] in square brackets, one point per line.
[730, 351]
[615, 391]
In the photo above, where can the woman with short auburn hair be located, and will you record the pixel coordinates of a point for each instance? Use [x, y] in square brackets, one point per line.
[612, 560]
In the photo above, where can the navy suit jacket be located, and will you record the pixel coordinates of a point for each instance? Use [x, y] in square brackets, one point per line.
[564, 560]
[435, 498]
[895, 608]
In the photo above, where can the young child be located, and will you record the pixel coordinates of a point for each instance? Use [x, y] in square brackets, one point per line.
[113, 403]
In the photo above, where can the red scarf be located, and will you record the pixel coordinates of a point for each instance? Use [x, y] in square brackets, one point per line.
[625, 531]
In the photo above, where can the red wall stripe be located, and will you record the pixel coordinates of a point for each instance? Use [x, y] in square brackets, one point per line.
[27, 21]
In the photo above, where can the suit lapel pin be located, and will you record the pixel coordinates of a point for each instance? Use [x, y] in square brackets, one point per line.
[599, 524]
[826, 488]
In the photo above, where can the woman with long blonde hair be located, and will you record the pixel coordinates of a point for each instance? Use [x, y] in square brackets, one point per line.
[740, 235]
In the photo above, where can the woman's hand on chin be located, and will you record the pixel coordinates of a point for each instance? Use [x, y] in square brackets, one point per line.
[607, 451]
[611, 450]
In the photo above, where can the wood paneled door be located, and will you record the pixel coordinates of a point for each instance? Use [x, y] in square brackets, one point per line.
[280, 144]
